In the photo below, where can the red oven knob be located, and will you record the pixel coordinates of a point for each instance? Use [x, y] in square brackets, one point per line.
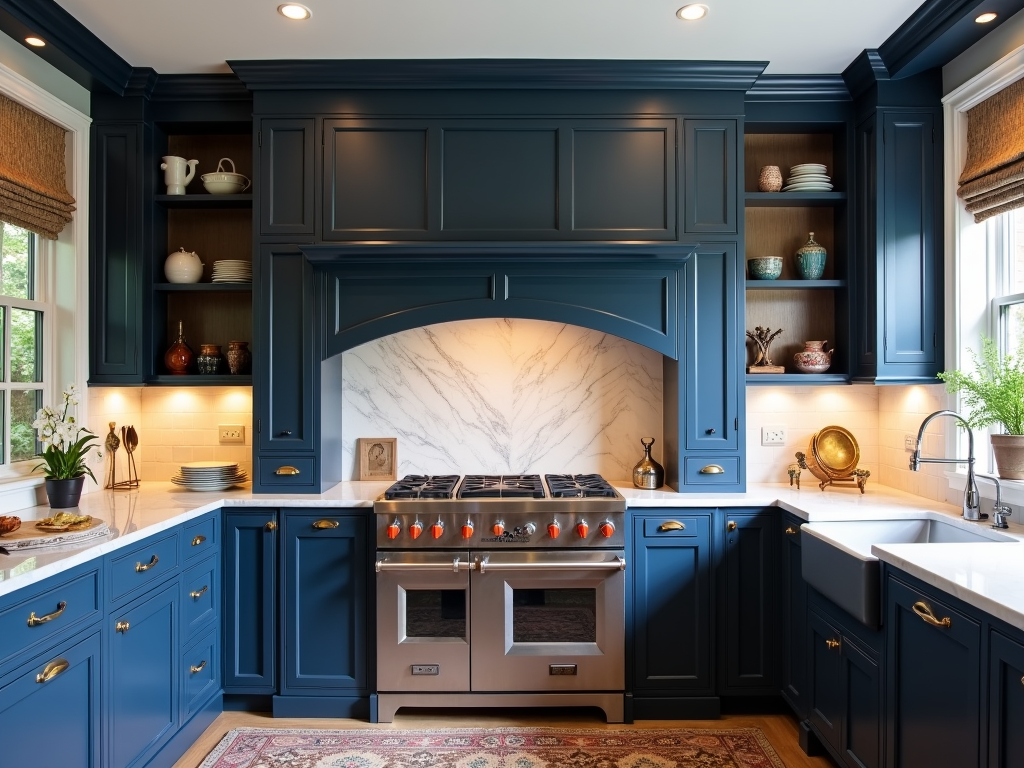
[499, 528]
[394, 529]
[467, 529]
[554, 529]
[582, 528]
[607, 528]
[437, 529]
[416, 529]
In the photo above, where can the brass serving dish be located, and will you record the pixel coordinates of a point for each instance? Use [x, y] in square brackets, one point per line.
[832, 456]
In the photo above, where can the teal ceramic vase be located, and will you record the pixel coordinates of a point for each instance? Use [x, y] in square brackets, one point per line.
[810, 259]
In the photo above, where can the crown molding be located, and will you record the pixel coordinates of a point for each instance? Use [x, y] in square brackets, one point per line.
[211, 87]
[863, 72]
[799, 88]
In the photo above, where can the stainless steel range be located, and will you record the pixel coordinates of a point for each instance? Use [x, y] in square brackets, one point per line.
[500, 591]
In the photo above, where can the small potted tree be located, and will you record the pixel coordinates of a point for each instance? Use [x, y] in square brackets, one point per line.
[993, 393]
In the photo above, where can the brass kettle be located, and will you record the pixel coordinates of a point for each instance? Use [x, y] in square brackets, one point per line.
[648, 473]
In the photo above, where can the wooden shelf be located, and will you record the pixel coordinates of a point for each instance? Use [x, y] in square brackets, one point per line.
[204, 201]
[199, 380]
[778, 285]
[812, 379]
[792, 199]
[202, 287]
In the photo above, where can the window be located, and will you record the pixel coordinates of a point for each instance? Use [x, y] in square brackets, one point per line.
[1005, 237]
[23, 324]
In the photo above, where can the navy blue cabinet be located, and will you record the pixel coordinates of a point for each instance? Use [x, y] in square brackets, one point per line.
[287, 171]
[793, 616]
[709, 195]
[1005, 700]
[250, 601]
[671, 603]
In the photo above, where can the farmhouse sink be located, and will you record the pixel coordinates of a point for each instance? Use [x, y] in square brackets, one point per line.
[837, 559]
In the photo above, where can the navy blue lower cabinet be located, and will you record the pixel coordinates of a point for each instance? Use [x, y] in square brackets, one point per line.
[793, 615]
[1005, 701]
[671, 576]
[324, 608]
[250, 601]
[50, 708]
[933, 680]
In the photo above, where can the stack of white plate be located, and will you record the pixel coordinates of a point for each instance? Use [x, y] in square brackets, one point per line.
[232, 271]
[209, 475]
[808, 177]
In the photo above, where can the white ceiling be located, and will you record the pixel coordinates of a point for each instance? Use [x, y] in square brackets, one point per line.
[189, 36]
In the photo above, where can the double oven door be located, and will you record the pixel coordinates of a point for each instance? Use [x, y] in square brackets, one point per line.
[500, 621]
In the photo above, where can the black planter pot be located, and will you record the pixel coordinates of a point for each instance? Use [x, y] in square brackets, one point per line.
[64, 494]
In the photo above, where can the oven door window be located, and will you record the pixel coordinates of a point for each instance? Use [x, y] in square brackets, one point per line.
[435, 613]
[563, 615]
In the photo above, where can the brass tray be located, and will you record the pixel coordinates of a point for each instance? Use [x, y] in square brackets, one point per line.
[836, 451]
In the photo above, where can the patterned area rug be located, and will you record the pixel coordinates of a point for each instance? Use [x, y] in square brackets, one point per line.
[494, 748]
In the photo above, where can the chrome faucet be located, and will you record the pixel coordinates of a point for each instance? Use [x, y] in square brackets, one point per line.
[999, 511]
[971, 507]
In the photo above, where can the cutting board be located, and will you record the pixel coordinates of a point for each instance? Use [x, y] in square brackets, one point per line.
[30, 537]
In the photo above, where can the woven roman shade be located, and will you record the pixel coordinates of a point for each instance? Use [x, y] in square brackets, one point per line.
[33, 192]
[992, 181]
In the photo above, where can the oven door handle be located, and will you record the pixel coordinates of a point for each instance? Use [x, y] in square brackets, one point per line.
[455, 566]
[619, 564]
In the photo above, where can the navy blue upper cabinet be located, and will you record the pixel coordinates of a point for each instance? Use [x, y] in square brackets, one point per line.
[287, 172]
[709, 198]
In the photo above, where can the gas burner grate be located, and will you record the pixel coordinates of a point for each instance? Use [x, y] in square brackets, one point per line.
[423, 487]
[501, 487]
[579, 486]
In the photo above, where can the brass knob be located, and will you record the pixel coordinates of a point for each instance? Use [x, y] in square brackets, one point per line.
[139, 567]
[52, 669]
[197, 668]
[35, 621]
[671, 525]
[198, 540]
[791, 530]
[286, 470]
[122, 627]
[731, 525]
[832, 643]
[711, 469]
[323, 524]
[196, 595]
[271, 526]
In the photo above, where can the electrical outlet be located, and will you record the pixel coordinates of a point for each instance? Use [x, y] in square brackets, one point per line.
[231, 433]
[773, 435]
[909, 442]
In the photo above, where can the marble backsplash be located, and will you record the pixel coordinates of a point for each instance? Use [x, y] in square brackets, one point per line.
[503, 396]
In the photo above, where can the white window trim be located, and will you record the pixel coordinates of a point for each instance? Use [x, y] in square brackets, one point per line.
[66, 286]
[965, 330]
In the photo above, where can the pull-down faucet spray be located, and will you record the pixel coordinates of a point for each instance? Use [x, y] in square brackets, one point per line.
[971, 506]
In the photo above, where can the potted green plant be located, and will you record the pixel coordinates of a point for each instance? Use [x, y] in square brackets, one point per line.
[993, 393]
[67, 447]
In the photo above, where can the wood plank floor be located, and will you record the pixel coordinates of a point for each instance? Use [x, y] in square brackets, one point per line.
[781, 730]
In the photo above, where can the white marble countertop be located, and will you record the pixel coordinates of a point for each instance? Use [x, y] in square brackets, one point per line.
[988, 576]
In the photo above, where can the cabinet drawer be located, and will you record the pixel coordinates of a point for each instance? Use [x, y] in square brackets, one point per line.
[200, 595]
[703, 470]
[200, 537]
[142, 566]
[33, 620]
[288, 471]
[200, 667]
[659, 527]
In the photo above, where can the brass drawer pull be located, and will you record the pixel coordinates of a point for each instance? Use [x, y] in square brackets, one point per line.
[287, 471]
[791, 530]
[197, 540]
[122, 627]
[35, 621]
[731, 525]
[922, 610]
[139, 567]
[671, 525]
[712, 469]
[323, 524]
[200, 593]
[271, 526]
[197, 668]
[51, 670]
[832, 643]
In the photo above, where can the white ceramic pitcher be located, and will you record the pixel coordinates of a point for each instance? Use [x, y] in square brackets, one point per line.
[178, 172]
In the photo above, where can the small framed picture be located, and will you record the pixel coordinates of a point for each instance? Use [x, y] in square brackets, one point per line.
[377, 458]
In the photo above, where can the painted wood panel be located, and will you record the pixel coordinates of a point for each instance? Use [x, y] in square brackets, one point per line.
[287, 172]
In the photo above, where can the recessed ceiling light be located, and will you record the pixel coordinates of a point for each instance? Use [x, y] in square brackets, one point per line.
[35, 41]
[985, 18]
[294, 11]
[692, 12]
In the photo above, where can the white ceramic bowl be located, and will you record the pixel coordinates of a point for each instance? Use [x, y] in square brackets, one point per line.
[223, 183]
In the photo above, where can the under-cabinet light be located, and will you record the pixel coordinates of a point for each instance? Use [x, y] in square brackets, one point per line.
[294, 11]
[36, 42]
[692, 12]
[985, 18]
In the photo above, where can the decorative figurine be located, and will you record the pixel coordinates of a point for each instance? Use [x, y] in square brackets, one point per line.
[648, 473]
[763, 338]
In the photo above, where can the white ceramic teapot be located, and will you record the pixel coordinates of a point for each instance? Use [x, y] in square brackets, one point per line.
[183, 267]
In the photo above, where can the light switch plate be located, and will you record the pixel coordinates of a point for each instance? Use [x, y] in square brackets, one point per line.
[231, 433]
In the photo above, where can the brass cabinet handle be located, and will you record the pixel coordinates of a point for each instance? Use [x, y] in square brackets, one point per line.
[35, 621]
[197, 540]
[122, 627]
[712, 469]
[925, 612]
[322, 524]
[791, 530]
[200, 593]
[197, 668]
[271, 526]
[139, 567]
[287, 471]
[671, 525]
[731, 525]
[832, 643]
[52, 669]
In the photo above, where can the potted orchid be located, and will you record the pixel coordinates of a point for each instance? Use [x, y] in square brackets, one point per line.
[67, 447]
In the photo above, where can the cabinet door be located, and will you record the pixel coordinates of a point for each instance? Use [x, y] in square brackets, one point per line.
[142, 701]
[672, 602]
[710, 176]
[862, 707]
[712, 350]
[324, 603]
[62, 686]
[825, 690]
[115, 255]
[929, 667]
[748, 651]
[250, 617]
[286, 176]
[1005, 702]
[793, 596]
[285, 368]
